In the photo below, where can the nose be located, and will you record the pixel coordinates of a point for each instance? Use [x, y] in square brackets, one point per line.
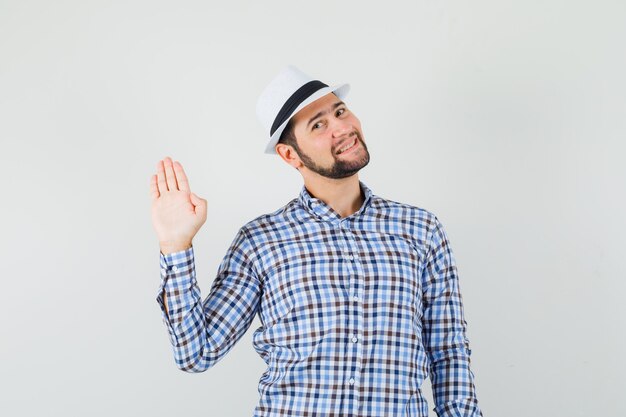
[341, 128]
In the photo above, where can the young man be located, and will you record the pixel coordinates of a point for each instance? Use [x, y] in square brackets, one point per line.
[358, 295]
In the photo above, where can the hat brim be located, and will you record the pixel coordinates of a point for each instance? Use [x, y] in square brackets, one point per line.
[340, 90]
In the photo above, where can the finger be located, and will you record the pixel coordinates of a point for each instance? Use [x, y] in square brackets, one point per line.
[170, 177]
[181, 178]
[154, 189]
[162, 184]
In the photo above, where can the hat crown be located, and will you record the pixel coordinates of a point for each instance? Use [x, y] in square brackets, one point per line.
[277, 92]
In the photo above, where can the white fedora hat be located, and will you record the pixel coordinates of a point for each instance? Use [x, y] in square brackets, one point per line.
[285, 95]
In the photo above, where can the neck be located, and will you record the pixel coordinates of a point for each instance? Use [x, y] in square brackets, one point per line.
[342, 195]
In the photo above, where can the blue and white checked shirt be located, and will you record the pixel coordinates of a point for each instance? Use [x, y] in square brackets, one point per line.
[356, 312]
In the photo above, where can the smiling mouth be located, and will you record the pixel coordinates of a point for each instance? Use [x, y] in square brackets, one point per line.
[354, 144]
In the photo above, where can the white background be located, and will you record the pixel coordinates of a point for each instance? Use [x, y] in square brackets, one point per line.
[505, 119]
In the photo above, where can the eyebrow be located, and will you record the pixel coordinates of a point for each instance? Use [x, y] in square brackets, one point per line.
[340, 103]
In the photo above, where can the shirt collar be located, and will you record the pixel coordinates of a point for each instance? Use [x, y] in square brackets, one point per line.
[322, 210]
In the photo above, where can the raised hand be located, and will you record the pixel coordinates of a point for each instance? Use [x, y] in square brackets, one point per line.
[177, 213]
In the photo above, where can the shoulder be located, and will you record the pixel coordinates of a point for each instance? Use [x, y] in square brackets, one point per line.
[265, 223]
[416, 215]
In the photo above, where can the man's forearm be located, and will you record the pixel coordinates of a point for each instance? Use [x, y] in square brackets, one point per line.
[166, 249]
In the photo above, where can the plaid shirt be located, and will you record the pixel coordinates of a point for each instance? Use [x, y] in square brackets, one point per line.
[356, 312]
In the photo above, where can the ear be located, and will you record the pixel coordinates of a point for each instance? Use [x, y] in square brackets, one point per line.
[288, 154]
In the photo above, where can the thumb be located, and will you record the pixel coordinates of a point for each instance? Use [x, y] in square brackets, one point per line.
[199, 203]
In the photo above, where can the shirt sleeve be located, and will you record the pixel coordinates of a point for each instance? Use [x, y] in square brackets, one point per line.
[202, 332]
[444, 331]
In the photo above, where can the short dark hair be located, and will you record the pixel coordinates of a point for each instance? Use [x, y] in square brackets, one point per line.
[288, 137]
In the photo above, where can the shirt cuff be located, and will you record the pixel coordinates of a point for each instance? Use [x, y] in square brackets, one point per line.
[177, 276]
[466, 407]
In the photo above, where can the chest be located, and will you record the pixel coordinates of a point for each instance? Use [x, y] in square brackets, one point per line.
[320, 273]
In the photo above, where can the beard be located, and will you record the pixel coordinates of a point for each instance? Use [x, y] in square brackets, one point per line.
[341, 168]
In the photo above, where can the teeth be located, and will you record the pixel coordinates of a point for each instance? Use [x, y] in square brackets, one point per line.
[347, 147]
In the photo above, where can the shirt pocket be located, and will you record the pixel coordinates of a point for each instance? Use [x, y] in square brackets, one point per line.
[390, 270]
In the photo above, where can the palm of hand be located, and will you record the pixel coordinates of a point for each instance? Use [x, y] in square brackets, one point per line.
[177, 213]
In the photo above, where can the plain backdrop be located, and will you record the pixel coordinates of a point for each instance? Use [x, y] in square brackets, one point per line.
[504, 118]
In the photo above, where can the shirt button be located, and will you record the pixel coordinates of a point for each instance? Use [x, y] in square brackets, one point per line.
[351, 381]
[355, 298]
[163, 272]
[354, 339]
[175, 268]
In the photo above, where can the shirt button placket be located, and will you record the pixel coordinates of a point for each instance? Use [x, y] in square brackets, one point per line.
[356, 314]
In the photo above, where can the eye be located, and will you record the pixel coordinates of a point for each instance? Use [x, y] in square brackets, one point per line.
[338, 113]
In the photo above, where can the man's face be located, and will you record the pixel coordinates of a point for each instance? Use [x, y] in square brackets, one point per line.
[323, 129]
